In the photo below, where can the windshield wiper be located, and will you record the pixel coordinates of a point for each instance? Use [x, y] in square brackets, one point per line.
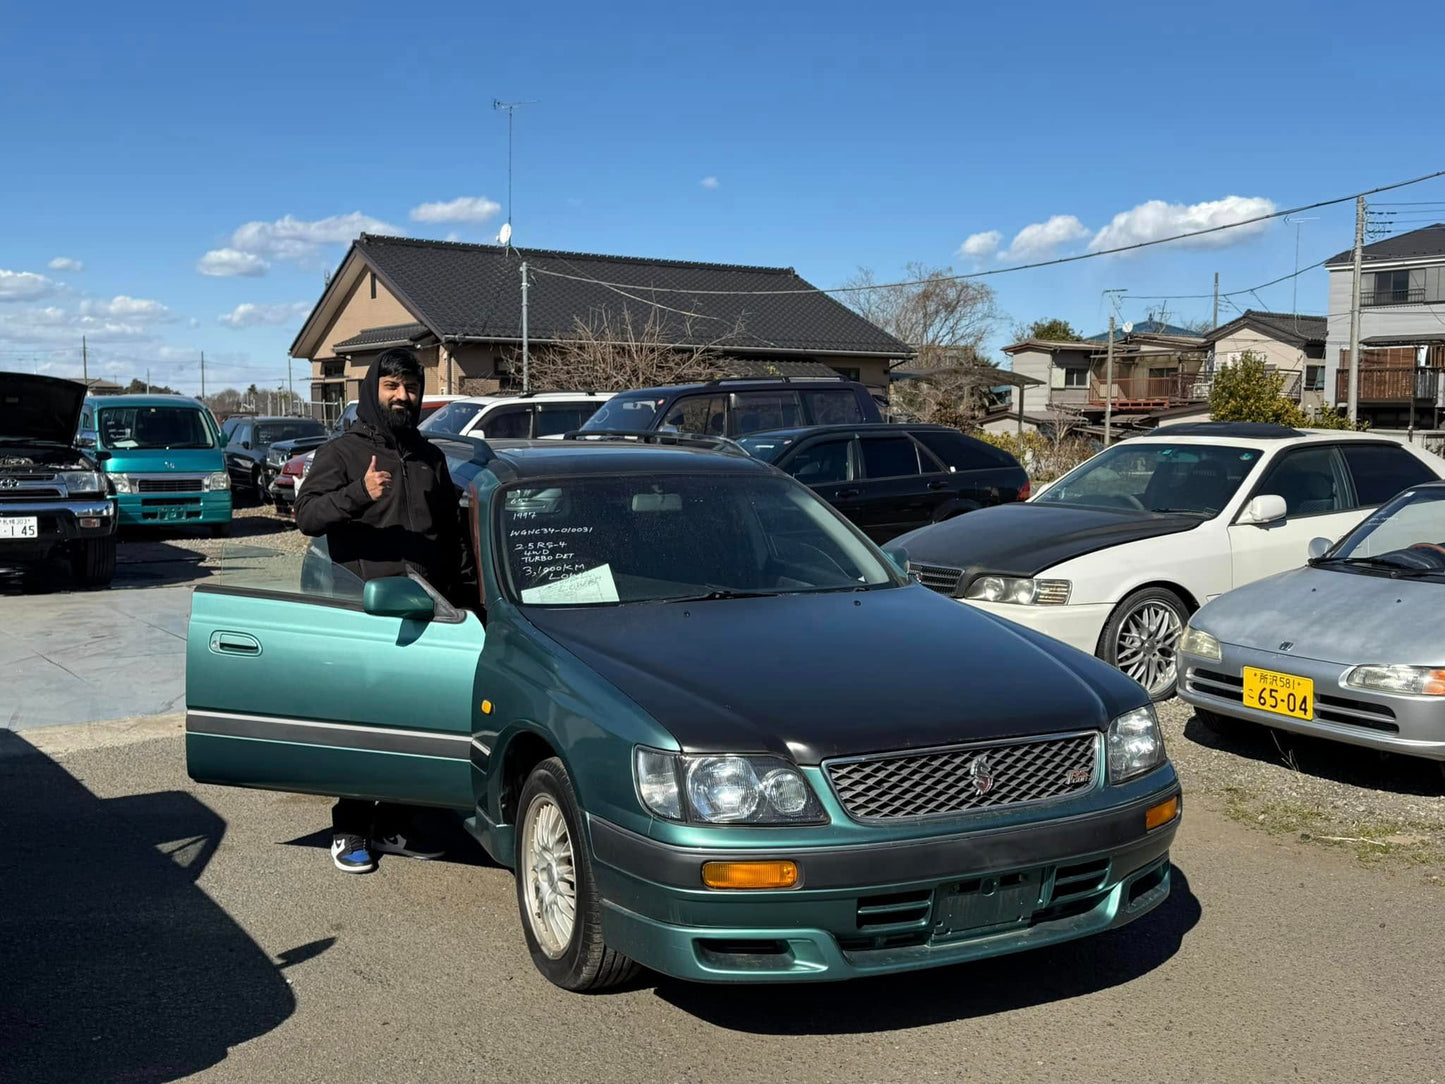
[1394, 570]
[1182, 511]
[716, 593]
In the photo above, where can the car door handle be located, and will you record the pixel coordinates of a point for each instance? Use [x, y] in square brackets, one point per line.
[846, 493]
[235, 643]
[940, 484]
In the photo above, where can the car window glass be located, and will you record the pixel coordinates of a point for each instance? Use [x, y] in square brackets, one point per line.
[629, 414]
[509, 422]
[890, 457]
[155, 427]
[960, 453]
[1154, 476]
[753, 411]
[452, 418]
[702, 414]
[271, 432]
[833, 407]
[308, 576]
[1416, 521]
[1381, 470]
[554, 418]
[1308, 480]
[820, 463]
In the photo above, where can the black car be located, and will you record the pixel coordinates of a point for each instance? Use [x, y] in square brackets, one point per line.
[732, 407]
[249, 455]
[892, 478]
[53, 495]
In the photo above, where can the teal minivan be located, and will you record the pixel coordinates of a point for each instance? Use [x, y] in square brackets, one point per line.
[163, 456]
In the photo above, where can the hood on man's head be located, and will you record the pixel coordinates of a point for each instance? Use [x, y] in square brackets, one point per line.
[368, 404]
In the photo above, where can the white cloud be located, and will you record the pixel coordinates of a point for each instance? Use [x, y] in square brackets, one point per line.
[1040, 239]
[24, 286]
[65, 263]
[710, 182]
[461, 209]
[252, 315]
[978, 246]
[193, 323]
[229, 262]
[291, 238]
[135, 310]
[1155, 219]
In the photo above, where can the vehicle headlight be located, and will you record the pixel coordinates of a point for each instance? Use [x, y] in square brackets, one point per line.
[275, 459]
[1414, 680]
[725, 789]
[82, 482]
[122, 483]
[1198, 642]
[216, 481]
[1022, 591]
[1135, 744]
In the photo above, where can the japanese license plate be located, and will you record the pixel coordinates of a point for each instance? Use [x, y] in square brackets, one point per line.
[986, 905]
[19, 527]
[1282, 694]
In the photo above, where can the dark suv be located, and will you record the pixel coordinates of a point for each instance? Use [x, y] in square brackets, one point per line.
[732, 407]
[892, 478]
[53, 495]
[247, 450]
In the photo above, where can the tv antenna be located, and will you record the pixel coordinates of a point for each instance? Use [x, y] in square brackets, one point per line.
[1294, 295]
[505, 236]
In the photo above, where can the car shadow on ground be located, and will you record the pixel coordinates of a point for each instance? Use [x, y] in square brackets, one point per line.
[435, 828]
[114, 965]
[960, 992]
[1332, 760]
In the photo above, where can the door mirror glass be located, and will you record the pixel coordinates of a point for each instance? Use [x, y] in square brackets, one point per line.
[397, 596]
[86, 440]
[1319, 547]
[1267, 508]
[246, 444]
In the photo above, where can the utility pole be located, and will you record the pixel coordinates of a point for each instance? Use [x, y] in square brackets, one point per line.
[84, 364]
[1216, 302]
[203, 376]
[148, 380]
[1354, 397]
[1109, 385]
[291, 403]
[526, 382]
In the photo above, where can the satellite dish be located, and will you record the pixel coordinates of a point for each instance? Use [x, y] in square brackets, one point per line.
[505, 236]
[1129, 328]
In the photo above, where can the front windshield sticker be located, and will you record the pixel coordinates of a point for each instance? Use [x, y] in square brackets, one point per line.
[594, 585]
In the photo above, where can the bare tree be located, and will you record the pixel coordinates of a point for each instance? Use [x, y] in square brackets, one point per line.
[956, 395]
[616, 351]
[937, 313]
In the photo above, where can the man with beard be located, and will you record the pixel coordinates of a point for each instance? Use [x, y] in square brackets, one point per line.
[382, 496]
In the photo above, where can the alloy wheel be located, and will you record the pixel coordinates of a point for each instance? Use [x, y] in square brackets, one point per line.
[549, 876]
[1147, 643]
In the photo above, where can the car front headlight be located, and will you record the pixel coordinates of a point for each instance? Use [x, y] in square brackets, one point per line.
[1134, 744]
[1023, 591]
[275, 459]
[82, 482]
[1198, 642]
[122, 483]
[725, 789]
[216, 481]
[1412, 680]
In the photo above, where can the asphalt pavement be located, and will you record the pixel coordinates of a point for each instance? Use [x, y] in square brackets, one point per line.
[151, 928]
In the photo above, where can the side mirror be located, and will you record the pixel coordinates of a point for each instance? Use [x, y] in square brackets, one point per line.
[246, 444]
[1319, 547]
[85, 440]
[1263, 510]
[898, 558]
[397, 596]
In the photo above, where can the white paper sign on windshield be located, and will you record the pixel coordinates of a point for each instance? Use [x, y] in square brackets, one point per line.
[594, 585]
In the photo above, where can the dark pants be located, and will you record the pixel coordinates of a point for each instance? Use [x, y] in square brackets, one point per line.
[367, 819]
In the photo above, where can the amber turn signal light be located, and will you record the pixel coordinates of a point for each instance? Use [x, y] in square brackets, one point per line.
[1162, 813]
[780, 874]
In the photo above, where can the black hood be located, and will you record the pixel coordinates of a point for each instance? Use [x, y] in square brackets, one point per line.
[1026, 539]
[40, 408]
[368, 408]
[838, 674]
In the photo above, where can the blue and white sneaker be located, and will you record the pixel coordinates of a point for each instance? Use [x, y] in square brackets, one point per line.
[351, 855]
[396, 843]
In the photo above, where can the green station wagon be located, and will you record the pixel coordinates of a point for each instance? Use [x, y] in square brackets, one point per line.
[710, 726]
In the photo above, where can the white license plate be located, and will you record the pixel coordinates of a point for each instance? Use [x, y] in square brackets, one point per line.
[19, 527]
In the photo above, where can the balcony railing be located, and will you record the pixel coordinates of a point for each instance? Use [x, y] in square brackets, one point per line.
[1388, 384]
[1392, 297]
[1152, 391]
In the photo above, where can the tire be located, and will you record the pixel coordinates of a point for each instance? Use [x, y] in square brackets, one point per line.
[258, 488]
[550, 841]
[220, 530]
[1141, 638]
[92, 562]
[1223, 726]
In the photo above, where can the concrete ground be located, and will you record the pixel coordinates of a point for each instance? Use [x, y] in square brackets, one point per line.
[151, 928]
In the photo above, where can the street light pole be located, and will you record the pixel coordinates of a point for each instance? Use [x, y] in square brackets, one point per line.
[526, 376]
[1109, 385]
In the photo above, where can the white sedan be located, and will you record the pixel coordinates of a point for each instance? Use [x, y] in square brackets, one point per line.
[1115, 556]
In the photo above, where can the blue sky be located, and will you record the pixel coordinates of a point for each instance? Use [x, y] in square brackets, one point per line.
[152, 144]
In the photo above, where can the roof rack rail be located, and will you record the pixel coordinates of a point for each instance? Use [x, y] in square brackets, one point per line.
[772, 379]
[652, 436]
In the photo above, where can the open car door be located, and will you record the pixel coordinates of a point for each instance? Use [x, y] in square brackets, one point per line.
[301, 678]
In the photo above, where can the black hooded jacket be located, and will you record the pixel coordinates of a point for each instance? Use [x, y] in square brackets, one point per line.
[417, 522]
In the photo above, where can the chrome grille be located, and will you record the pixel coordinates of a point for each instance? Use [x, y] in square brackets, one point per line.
[169, 485]
[962, 779]
[938, 577]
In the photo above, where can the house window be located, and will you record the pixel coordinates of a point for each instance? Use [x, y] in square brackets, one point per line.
[1161, 374]
[1314, 378]
[847, 373]
[1076, 378]
[373, 286]
[1392, 288]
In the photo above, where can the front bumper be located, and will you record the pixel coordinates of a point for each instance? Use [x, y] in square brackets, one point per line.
[886, 907]
[1076, 625]
[57, 523]
[283, 496]
[174, 509]
[1396, 723]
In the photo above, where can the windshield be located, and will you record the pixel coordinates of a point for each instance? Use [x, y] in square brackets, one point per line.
[1407, 533]
[271, 432]
[768, 449]
[145, 427]
[628, 413]
[653, 538]
[1152, 476]
[452, 418]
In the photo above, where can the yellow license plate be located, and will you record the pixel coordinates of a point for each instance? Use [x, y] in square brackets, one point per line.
[1282, 694]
